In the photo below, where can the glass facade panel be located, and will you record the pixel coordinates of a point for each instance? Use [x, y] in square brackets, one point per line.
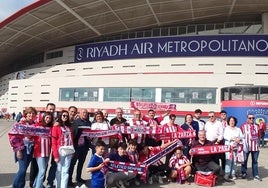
[79, 94]
[116, 94]
[168, 95]
[189, 95]
[143, 94]
[128, 94]
[244, 93]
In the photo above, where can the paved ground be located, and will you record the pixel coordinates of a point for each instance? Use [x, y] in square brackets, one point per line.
[8, 168]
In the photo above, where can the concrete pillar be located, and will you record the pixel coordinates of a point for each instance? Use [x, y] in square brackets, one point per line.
[265, 23]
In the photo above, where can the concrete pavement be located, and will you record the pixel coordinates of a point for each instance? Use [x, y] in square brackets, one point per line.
[8, 167]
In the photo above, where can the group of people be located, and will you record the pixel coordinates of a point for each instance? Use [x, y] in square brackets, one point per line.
[69, 146]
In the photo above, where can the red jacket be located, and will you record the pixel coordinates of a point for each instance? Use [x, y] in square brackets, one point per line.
[61, 136]
[42, 145]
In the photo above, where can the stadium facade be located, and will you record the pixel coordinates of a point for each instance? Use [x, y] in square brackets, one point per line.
[181, 52]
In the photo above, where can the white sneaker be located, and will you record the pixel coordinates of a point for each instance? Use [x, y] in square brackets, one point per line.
[160, 180]
[150, 180]
[83, 186]
[234, 177]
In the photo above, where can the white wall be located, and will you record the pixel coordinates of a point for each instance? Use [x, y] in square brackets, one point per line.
[157, 72]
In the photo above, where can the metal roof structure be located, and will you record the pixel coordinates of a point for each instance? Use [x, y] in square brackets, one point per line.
[50, 24]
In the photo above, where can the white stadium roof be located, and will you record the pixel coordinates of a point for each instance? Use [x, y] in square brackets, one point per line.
[50, 24]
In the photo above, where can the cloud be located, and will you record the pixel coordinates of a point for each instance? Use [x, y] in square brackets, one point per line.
[7, 8]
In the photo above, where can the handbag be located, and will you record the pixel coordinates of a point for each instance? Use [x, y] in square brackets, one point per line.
[66, 150]
[207, 179]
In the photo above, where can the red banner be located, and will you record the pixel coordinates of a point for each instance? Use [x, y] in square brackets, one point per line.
[210, 150]
[152, 105]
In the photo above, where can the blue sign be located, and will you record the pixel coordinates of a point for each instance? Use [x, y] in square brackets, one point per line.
[218, 45]
[240, 110]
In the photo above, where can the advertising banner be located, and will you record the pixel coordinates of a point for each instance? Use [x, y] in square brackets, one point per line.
[178, 46]
[240, 109]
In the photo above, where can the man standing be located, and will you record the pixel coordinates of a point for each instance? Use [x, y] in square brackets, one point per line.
[153, 121]
[119, 120]
[197, 117]
[224, 118]
[81, 146]
[250, 131]
[214, 132]
[137, 121]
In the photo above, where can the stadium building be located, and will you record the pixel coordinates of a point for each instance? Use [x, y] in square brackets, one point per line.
[102, 54]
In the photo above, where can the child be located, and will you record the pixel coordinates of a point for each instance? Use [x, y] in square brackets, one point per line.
[96, 166]
[133, 156]
[119, 178]
[181, 166]
[157, 168]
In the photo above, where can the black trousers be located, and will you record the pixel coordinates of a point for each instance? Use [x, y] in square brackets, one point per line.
[33, 171]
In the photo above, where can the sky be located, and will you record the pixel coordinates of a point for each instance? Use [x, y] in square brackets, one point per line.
[9, 7]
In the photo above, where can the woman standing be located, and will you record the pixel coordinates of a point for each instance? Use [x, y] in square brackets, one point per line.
[23, 148]
[100, 124]
[62, 148]
[233, 137]
[42, 149]
[189, 125]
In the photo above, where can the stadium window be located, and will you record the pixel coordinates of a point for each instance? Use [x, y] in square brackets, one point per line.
[148, 33]
[173, 31]
[164, 31]
[53, 55]
[140, 34]
[78, 94]
[142, 94]
[189, 95]
[156, 32]
[182, 30]
[116, 94]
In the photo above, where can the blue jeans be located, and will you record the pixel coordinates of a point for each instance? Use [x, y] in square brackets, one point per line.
[42, 165]
[19, 179]
[254, 164]
[62, 174]
[261, 142]
[230, 164]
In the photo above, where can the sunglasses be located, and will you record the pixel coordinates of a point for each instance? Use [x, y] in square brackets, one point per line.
[251, 118]
[211, 116]
[65, 116]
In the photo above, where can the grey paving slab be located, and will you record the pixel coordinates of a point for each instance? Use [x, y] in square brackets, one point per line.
[8, 167]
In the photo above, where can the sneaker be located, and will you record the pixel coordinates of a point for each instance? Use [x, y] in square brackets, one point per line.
[160, 180]
[186, 182]
[257, 178]
[150, 180]
[244, 176]
[127, 183]
[83, 186]
[71, 184]
[80, 180]
[234, 177]
[137, 182]
[120, 184]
